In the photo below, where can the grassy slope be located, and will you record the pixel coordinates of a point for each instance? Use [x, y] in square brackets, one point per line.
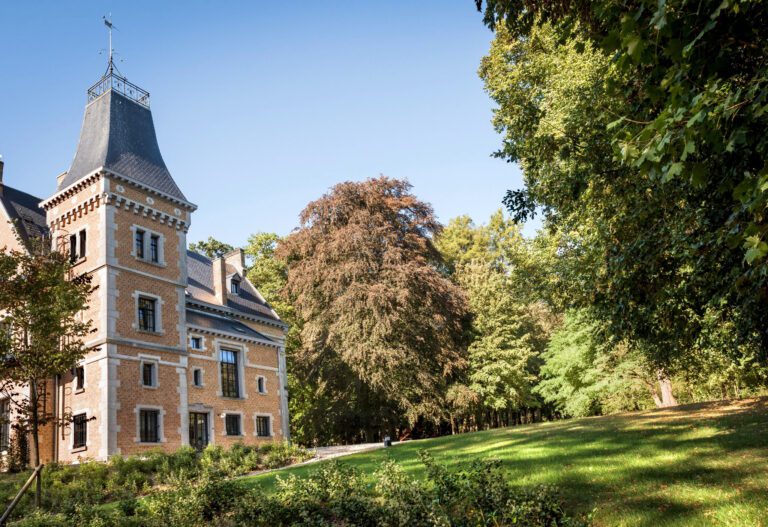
[704, 464]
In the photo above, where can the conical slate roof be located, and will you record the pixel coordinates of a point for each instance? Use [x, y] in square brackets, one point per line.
[118, 135]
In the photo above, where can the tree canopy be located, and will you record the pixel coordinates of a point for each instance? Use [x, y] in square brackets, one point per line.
[378, 318]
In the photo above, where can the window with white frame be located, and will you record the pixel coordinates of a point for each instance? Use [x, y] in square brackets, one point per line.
[232, 424]
[234, 286]
[196, 343]
[5, 425]
[197, 377]
[149, 374]
[148, 245]
[230, 381]
[263, 426]
[79, 431]
[77, 246]
[78, 374]
[147, 314]
[149, 425]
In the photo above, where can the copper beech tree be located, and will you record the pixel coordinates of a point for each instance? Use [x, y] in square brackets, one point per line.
[364, 280]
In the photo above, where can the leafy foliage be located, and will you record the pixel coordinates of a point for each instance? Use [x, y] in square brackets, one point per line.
[42, 334]
[583, 376]
[379, 322]
[603, 115]
[212, 248]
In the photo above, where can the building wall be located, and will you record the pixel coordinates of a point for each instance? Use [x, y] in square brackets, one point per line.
[110, 211]
[256, 360]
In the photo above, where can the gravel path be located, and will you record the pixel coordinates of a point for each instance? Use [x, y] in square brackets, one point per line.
[327, 452]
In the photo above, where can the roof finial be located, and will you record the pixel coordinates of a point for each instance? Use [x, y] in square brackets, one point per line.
[108, 23]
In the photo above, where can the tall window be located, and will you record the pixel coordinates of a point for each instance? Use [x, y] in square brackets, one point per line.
[79, 373]
[79, 431]
[232, 424]
[149, 426]
[148, 374]
[82, 243]
[73, 248]
[261, 383]
[230, 386]
[5, 424]
[197, 377]
[262, 426]
[139, 244]
[234, 287]
[154, 248]
[77, 246]
[147, 314]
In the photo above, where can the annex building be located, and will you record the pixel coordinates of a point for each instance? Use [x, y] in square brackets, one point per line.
[185, 349]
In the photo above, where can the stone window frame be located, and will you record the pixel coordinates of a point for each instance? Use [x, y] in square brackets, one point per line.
[263, 379]
[80, 448]
[271, 424]
[202, 342]
[6, 424]
[148, 233]
[241, 349]
[81, 389]
[202, 377]
[159, 302]
[223, 417]
[155, 361]
[78, 235]
[161, 424]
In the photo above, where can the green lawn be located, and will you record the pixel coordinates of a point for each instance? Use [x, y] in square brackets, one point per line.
[704, 464]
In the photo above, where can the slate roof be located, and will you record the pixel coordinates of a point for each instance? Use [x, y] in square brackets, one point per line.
[200, 286]
[118, 134]
[24, 210]
[222, 324]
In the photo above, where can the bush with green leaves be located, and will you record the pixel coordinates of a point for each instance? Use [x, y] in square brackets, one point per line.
[69, 487]
[334, 494]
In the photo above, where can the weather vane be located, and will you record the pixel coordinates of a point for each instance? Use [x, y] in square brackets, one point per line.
[108, 23]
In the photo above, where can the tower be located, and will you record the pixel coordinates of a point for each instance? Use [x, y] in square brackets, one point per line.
[123, 220]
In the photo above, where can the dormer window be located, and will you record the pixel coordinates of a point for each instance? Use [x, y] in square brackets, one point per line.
[234, 286]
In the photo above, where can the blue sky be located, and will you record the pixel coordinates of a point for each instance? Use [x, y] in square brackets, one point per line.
[261, 107]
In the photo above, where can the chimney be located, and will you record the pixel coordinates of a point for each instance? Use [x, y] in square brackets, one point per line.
[220, 280]
[236, 259]
[2, 165]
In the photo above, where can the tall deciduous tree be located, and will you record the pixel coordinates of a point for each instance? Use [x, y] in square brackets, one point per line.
[378, 318]
[639, 126]
[41, 302]
[212, 248]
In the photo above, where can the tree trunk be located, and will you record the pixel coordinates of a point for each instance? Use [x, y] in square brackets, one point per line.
[33, 402]
[665, 384]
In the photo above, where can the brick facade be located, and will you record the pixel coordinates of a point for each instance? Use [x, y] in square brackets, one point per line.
[155, 322]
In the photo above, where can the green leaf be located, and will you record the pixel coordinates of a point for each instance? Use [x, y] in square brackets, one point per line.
[674, 170]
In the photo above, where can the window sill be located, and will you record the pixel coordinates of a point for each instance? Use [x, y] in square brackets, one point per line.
[148, 332]
[81, 390]
[138, 442]
[161, 265]
[149, 386]
[234, 435]
[77, 262]
[233, 398]
[75, 450]
[263, 393]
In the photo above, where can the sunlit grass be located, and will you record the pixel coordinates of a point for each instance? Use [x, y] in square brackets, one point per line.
[704, 464]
